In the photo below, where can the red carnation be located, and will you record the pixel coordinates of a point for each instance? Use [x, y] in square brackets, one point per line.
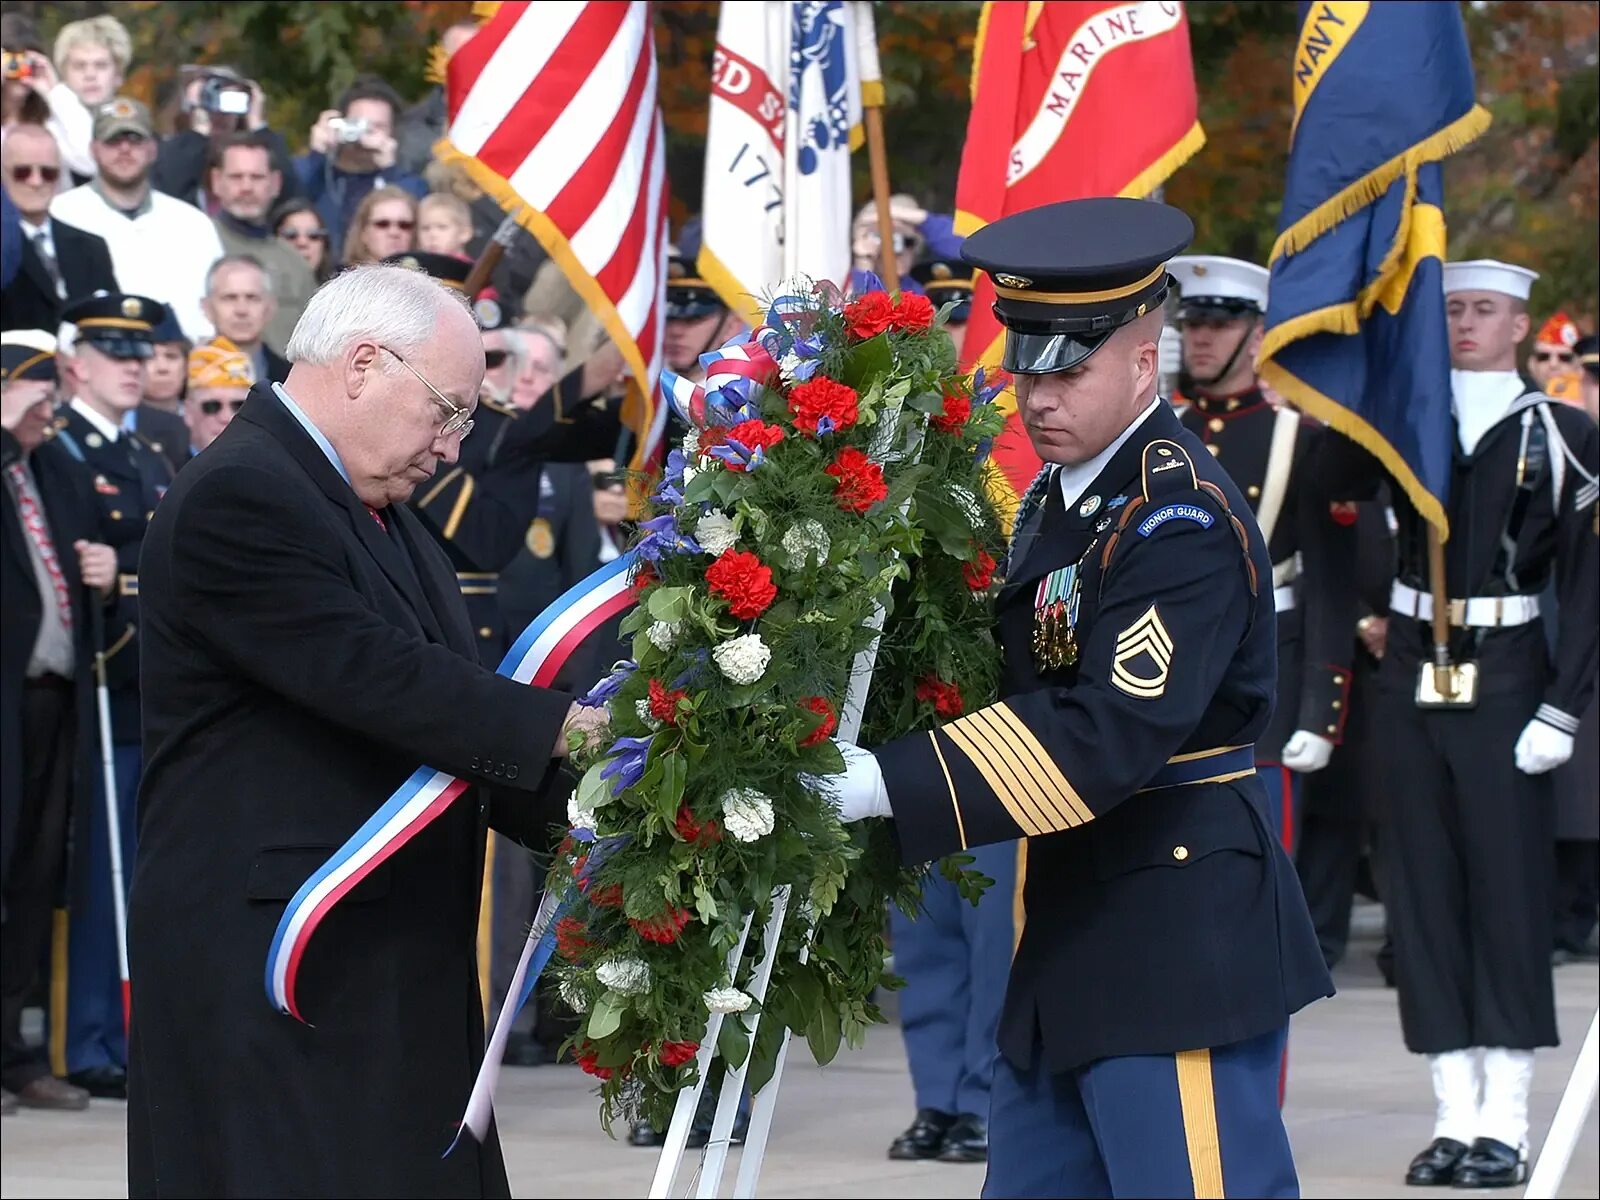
[643, 578]
[570, 939]
[830, 720]
[664, 702]
[607, 895]
[711, 438]
[979, 574]
[869, 316]
[696, 832]
[957, 409]
[945, 697]
[823, 397]
[914, 312]
[676, 1054]
[753, 434]
[589, 1059]
[860, 481]
[662, 928]
[739, 577]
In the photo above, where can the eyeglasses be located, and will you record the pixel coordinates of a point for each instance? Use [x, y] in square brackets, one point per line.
[495, 358]
[1561, 356]
[212, 407]
[304, 235]
[386, 223]
[22, 172]
[460, 419]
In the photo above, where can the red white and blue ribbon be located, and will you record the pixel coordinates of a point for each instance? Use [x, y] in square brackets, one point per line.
[536, 658]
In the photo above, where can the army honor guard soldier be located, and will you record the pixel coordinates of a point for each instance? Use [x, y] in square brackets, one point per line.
[1130, 768]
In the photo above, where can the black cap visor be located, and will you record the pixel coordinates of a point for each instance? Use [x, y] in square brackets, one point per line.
[1047, 353]
[120, 345]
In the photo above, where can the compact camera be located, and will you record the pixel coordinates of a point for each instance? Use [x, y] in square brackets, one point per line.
[348, 132]
[18, 66]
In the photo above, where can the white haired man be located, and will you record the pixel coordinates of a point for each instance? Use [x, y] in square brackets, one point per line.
[312, 649]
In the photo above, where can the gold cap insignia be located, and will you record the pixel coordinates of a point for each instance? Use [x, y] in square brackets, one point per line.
[131, 308]
[487, 311]
[410, 263]
[1199, 269]
[1013, 281]
[675, 270]
[942, 271]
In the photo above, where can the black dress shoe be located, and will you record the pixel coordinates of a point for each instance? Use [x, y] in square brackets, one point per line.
[1491, 1164]
[1435, 1166]
[925, 1137]
[106, 1083]
[967, 1141]
[645, 1134]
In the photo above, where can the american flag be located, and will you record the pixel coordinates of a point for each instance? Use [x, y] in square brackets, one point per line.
[553, 109]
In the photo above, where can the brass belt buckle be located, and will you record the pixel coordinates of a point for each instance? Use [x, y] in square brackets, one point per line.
[1459, 690]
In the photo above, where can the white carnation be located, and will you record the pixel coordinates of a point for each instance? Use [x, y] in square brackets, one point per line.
[715, 532]
[726, 1000]
[968, 503]
[579, 817]
[642, 707]
[663, 635]
[746, 814]
[789, 367]
[573, 996]
[743, 659]
[806, 541]
[630, 976]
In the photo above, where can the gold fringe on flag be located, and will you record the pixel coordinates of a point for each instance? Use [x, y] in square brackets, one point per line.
[1158, 172]
[485, 10]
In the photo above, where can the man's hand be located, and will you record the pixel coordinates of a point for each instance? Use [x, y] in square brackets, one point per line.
[602, 369]
[1542, 748]
[861, 790]
[97, 564]
[41, 74]
[592, 723]
[1373, 631]
[382, 147]
[256, 118]
[1306, 752]
[322, 138]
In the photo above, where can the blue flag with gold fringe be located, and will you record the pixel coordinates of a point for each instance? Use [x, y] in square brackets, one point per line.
[1355, 330]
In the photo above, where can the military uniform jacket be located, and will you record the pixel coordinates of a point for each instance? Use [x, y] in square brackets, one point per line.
[129, 477]
[1161, 913]
[1534, 468]
[1313, 551]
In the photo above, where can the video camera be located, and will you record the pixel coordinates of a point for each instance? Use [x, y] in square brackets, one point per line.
[225, 94]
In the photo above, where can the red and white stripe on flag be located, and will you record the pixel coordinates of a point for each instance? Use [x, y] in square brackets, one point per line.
[552, 109]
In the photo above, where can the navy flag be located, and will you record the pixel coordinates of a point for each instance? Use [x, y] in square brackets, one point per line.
[1356, 332]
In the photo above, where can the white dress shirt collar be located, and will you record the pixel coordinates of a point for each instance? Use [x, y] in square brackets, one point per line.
[110, 430]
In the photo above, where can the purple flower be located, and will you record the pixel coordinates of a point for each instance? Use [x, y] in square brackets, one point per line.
[982, 394]
[671, 489]
[663, 538]
[626, 767]
[601, 693]
[825, 426]
[692, 676]
[739, 456]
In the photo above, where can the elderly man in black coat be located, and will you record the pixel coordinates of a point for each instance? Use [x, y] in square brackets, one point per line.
[307, 648]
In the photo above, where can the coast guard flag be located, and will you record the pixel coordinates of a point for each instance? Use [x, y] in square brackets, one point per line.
[1356, 333]
[788, 82]
[553, 112]
[1069, 99]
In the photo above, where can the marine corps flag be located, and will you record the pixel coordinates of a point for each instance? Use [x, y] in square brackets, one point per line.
[788, 82]
[1071, 99]
[1356, 333]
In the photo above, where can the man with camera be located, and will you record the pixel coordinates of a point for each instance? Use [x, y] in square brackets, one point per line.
[218, 106]
[246, 184]
[352, 152]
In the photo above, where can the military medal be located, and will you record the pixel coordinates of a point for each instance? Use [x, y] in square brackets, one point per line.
[1055, 613]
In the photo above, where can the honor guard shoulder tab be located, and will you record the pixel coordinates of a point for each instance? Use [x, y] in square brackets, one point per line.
[1166, 470]
[503, 407]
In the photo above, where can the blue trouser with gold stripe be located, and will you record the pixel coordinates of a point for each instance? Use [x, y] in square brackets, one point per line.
[955, 958]
[1199, 1123]
[93, 1028]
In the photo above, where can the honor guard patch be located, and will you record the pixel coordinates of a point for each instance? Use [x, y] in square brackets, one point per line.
[1175, 512]
[1143, 657]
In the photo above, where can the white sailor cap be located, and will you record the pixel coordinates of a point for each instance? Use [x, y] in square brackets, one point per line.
[1209, 281]
[1487, 275]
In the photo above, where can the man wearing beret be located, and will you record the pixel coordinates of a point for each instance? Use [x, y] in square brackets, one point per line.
[52, 559]
[1165, 940]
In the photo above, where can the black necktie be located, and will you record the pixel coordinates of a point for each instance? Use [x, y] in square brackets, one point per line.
[41, 243]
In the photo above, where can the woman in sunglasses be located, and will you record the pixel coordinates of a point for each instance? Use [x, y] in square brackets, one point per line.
[297, 223]
[385, 223]
[220, 376]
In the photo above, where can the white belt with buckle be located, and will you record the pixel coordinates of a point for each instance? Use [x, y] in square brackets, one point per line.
[1477, 612]
[1283, 598]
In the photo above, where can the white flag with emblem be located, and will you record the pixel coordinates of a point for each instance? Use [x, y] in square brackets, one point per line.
[786, 96]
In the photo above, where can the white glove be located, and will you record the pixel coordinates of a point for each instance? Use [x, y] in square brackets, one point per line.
[861, 792]
[1306, 752]
[1542, 748]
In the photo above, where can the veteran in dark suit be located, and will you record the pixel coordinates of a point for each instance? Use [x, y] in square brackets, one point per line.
[307, 650]
[1165, 940]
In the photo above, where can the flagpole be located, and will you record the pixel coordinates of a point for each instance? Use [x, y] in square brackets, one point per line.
[878, 162]
[478, 277]
[1443, 682]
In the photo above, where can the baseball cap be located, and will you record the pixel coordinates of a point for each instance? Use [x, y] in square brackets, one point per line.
[123, 114]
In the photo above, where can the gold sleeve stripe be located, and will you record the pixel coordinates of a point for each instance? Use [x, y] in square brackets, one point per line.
[434, 491]
[460, 510]
[1002, 787]
[955, 805]
[1044, 764]
[1051, 808]
[1198, 754]
[1198, 1101]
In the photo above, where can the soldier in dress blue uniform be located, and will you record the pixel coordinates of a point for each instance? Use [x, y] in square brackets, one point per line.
[1265, 450]
[948, 281]
[1165, 940]
[104, 376]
